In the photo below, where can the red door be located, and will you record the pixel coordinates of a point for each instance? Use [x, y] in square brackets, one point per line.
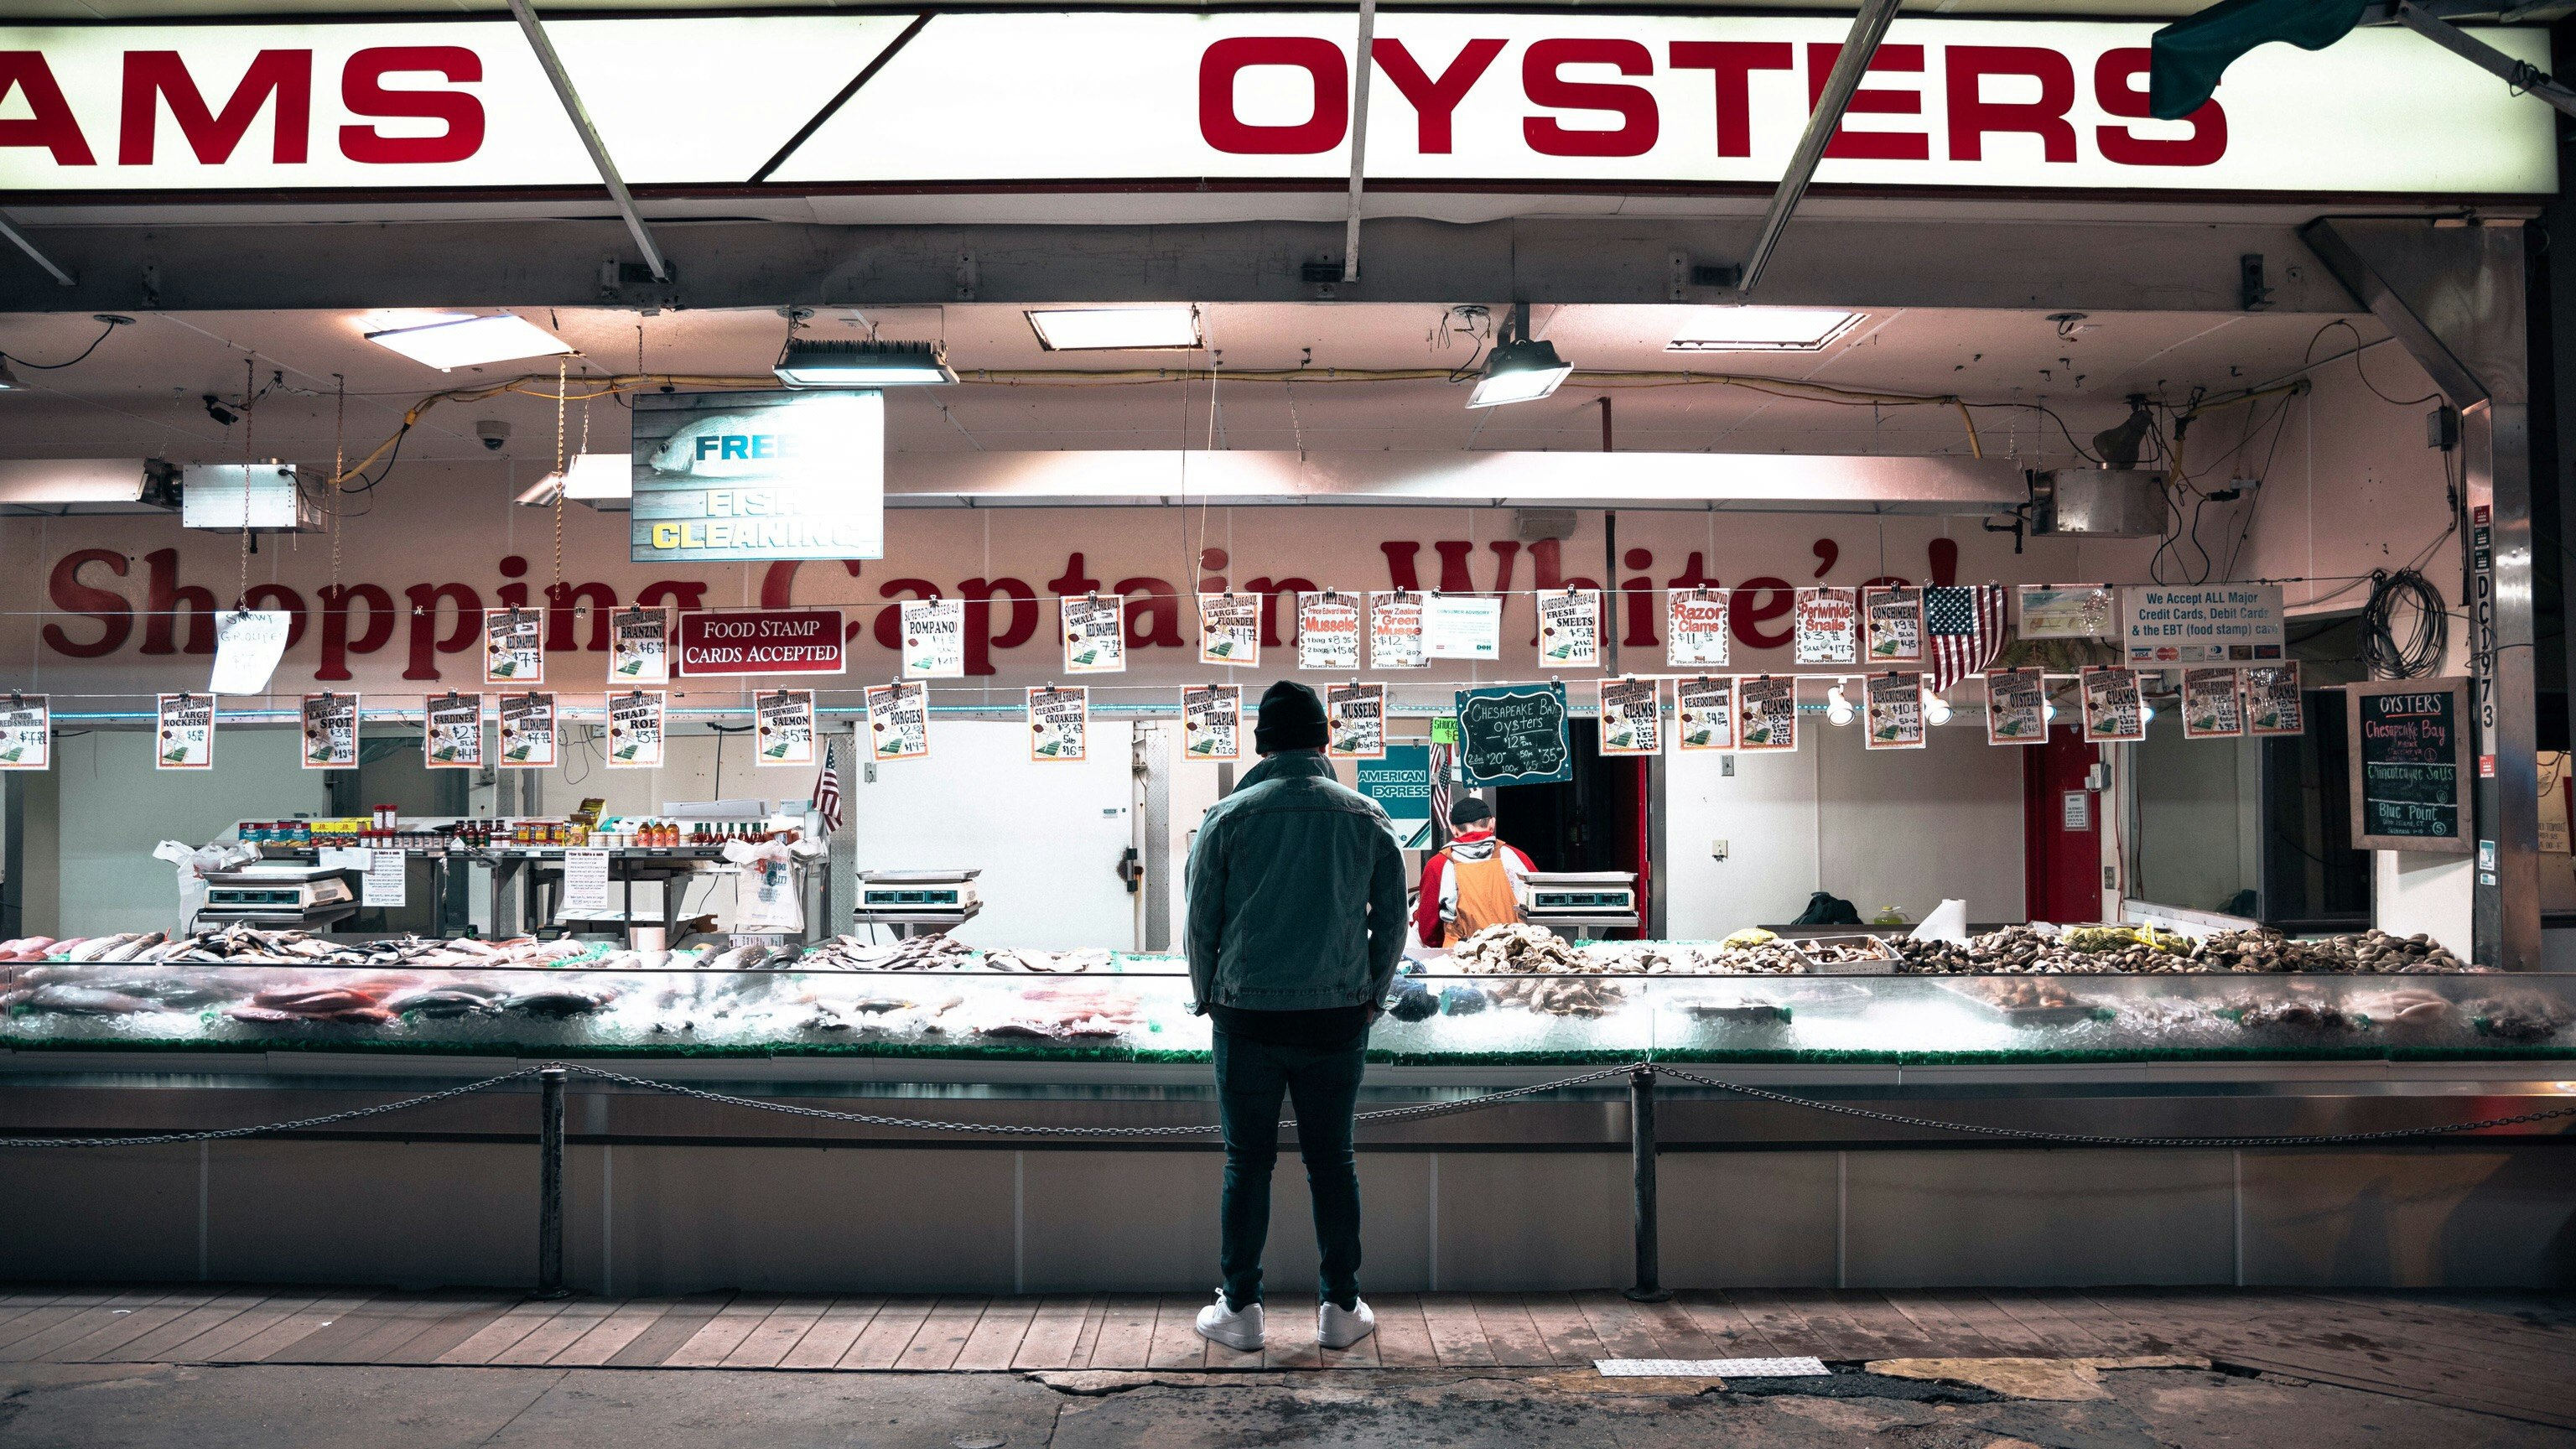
[2061, 830]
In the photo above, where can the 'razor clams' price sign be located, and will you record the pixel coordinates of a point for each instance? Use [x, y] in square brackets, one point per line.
[2410, 765]
[1514, 735]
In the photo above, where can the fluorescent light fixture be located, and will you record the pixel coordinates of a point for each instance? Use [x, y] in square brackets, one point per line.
[542, 493]
[597, 476]
[861, 364]
[472, 341]
[1115, 329]
[1520, 372]
[1762, 329]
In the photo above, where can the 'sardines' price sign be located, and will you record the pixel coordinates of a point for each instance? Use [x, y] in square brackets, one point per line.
[452, 731]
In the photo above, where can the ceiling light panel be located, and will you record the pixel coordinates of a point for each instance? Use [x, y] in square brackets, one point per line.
[1116, 329]
[1761, 329]
[472, 342]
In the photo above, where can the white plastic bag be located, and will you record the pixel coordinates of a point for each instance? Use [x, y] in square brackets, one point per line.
[1948, 922]
[193, 863]
[769, 899]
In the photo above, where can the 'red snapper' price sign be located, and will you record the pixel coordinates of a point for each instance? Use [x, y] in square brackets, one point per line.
[761, 641]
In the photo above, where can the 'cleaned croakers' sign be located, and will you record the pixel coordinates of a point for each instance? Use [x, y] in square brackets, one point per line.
[2205, 624]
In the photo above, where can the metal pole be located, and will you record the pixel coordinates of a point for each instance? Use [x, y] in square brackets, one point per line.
[2521, 75]
[550, 1162]
[1641, 1149]
[581, 124]
[1868, 28]
[1359, 137]
[19, 239]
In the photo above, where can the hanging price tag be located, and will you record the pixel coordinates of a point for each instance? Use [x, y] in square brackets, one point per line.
[1895, 710]
[1095, 635]
[1462, 626]
[1212, 722]
[1766, 713]
[527, 731]
[1828, 626]
[2016, 708]
[2273, 705]
[1894, 617]
[640, 648]
[1328, 630]
[898, 721]
[1395, 632]
[1569, 629]
[2113, 712]
[514, 647]
[330, 732]
[1695, 630]
[635, 730]
[1632, 717]
[785, 728]
[934, 638]
[1704, 713]
[1230, 629]
[1059, 723]
[1355, 721]
[2213, 706]
[452, 732]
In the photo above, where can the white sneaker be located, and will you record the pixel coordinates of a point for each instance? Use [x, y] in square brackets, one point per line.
[1238, 1331]
[1339, 1327]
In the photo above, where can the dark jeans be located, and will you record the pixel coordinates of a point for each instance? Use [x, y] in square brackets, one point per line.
[1324, 1085]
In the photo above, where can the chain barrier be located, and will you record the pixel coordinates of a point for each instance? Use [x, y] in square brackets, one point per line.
[1393, 1114]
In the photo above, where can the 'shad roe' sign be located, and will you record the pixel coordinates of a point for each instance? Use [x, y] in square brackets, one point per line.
[761, 641]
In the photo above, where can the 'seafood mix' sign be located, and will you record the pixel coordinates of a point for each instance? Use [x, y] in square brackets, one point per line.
[1586, 101]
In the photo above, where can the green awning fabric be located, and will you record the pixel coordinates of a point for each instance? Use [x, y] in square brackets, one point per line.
[2190, 55]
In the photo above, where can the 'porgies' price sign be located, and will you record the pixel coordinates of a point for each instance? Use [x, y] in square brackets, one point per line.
[1513, 735]
[2410, 765]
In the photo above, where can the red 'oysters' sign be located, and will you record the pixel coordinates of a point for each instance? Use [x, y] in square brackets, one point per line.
[761, 641]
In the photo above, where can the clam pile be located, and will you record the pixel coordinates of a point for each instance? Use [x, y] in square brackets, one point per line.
[2144, 950]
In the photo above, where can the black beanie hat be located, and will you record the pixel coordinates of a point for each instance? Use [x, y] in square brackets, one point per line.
[1468, 811]
[1291, 718]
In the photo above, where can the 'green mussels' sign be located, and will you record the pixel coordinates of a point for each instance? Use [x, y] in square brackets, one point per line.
[1514, 735]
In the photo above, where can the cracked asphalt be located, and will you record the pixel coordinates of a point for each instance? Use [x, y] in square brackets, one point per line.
[64, 1406]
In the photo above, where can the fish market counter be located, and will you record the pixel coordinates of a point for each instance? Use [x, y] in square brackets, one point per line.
[670, 1192]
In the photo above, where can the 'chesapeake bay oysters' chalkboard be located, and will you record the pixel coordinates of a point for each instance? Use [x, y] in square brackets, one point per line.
[2410, 765]
[1514, 734]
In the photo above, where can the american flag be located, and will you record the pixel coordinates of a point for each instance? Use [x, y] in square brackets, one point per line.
[1966, 626]
[827, 789]
[1439, 795]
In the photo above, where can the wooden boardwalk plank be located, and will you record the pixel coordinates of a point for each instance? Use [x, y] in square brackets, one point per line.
[1787, 1329]
[670, 1328]
[1933, 1320]
[104, 1344]
[1054, 1330]
[1509, 1330]
[1842, 1336]
[1729, 1327]
[1624, 1331]
[1456, 1336]
[1175, 1341]
[996, 1339]
[552, 1338]
[784, 1328]
[1125, 1338]
[889, 1333]
[2011, 1338]
[1403, 1338]
[724, 1333]
[2304, 1319]
[2062, 1336]
[457, 1325]
[1563, 1329]
[2095, 1317]
[161, 1344]
[834, 1333]
[943, 1334]
[513, 1324]
[1676, 1331]
[2470, 1329]
[1874, 1314]
[372, 1331]
[1288, 1335]
[312, 1316]
[219, 1338]
[603, 1341]
[10, 1312]
[67, 1323]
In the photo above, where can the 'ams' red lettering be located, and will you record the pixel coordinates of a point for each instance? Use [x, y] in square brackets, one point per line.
[277, 84]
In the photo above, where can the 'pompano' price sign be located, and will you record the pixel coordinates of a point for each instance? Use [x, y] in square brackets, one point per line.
[1513, 735]
[728, 477]
[761, 641]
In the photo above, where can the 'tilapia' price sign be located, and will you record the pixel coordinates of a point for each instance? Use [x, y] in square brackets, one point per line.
[763, 641]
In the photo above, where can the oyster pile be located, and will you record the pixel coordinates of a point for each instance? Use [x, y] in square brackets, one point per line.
[1534, 954]
[2144, 950]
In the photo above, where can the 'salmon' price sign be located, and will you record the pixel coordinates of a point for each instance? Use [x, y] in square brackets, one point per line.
[2410, 765]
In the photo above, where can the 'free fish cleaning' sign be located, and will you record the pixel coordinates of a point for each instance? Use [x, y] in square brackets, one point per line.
[727, 477]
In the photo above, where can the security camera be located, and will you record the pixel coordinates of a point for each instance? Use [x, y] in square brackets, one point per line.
[493, 432]
[224, 417]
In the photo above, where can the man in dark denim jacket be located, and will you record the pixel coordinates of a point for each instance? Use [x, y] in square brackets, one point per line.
[1296, 923]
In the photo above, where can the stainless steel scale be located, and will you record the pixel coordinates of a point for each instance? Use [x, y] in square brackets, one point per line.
[279, 892]
[1583, 899]
[917, 902]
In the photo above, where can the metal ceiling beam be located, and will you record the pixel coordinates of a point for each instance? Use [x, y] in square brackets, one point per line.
[2521, 75]
[1359, 137]
[1859, 48]
[2081, 265]
[599, 157]
[19, 238]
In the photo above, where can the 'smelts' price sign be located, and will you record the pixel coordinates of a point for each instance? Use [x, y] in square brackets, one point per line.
[2410, 765]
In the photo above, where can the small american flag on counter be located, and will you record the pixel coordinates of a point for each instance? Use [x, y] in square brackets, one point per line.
[1439, 794]
[1966, 627]
[827, 788]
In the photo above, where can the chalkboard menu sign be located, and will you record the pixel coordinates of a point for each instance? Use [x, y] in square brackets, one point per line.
[2410, 765]
[1514, 735]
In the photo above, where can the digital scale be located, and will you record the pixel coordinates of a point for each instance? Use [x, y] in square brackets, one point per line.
[1603, 899]
[279, 892]
[917, 902]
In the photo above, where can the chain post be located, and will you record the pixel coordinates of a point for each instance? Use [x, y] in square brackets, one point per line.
[1641, 1149]
[550, 1163]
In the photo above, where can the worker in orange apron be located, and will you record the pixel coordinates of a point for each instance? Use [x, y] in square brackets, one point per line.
[1473, 882]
